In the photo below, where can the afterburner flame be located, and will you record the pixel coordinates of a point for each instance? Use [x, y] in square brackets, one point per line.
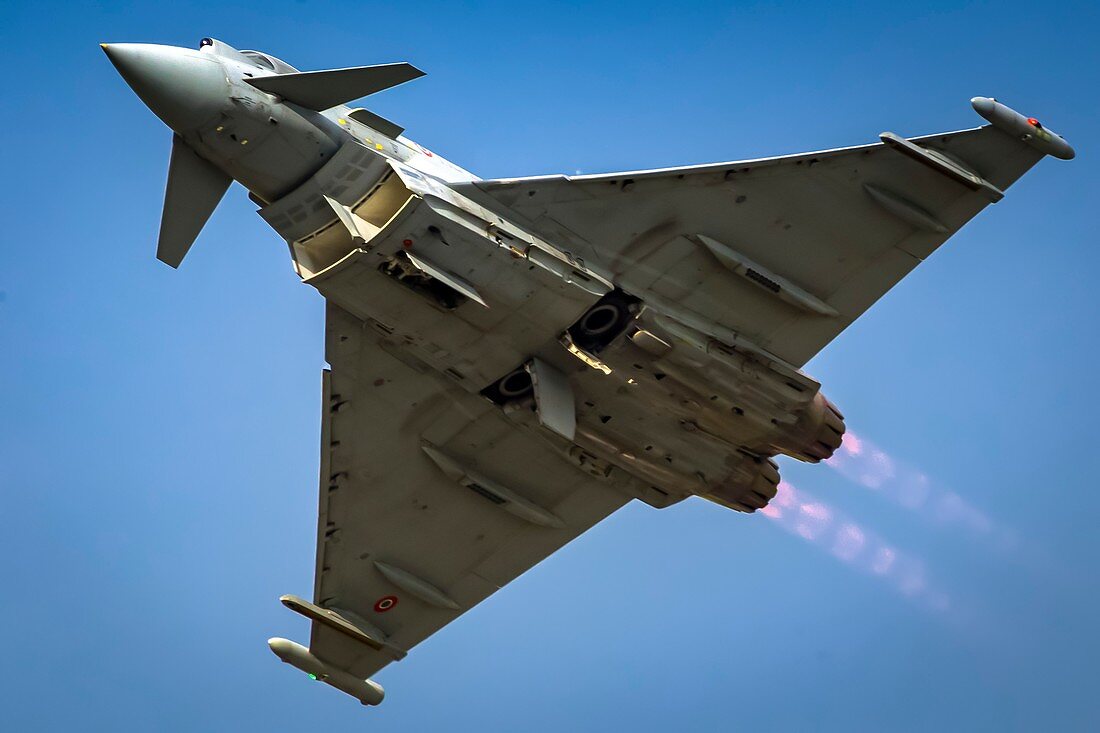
[820, 524]
[861, 461]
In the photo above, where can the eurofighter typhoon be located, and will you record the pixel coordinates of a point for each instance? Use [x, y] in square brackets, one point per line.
[513, 360]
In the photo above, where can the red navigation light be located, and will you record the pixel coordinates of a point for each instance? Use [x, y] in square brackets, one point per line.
[1034, 122]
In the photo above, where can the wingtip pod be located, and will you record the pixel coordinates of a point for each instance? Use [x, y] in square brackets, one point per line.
[367, 692]
[1028, 129]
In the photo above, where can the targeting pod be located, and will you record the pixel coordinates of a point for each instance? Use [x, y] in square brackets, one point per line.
[296, 655]
[1028, 129]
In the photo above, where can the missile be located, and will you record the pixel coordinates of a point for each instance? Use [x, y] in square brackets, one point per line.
[1028, 129]
[297, 656]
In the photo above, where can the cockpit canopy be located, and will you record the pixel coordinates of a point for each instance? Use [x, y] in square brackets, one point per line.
[269, 62]
[261, 60]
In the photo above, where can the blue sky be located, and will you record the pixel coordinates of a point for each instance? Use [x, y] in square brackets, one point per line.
[159, 429]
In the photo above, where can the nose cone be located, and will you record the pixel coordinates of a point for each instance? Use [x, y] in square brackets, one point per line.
[182, 87]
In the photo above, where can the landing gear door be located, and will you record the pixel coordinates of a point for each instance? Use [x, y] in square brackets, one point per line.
[553, 399]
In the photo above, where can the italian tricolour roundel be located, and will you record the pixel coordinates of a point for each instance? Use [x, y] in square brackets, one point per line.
[385, 603]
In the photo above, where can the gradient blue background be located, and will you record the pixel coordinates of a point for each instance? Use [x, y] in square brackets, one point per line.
[159, 429]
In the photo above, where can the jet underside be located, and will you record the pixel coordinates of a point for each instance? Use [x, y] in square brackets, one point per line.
[467, 293]
[513, 360]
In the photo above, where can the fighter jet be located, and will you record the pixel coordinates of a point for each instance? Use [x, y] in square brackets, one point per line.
[512, 360]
